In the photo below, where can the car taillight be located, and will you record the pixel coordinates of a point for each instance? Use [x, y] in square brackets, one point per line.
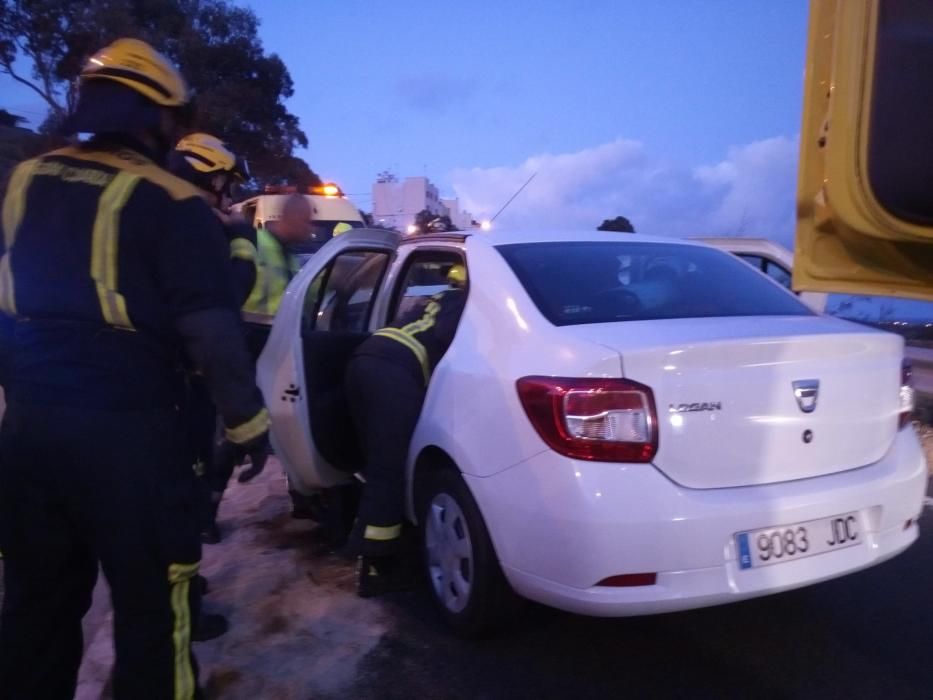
[604, 420]
[907, 395]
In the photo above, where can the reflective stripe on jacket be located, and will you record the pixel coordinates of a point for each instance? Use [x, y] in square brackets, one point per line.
[102, 253]
[428, 330]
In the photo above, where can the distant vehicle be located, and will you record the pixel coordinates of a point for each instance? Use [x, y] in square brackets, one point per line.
[623, 425]
[772, 259]
[329, 205]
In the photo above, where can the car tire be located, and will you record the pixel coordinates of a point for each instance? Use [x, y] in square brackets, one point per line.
[465, 580]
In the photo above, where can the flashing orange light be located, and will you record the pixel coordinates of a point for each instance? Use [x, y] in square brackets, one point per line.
[328, 189]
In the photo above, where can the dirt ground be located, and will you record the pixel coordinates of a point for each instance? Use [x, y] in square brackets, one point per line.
[297, 628]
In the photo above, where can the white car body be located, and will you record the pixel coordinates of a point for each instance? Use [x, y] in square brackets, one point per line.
[560, 525]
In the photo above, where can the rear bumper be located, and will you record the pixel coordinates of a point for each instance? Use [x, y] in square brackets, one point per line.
[560, 526]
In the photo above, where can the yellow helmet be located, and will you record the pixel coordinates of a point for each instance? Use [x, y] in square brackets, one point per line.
[457, 275]
[342, 227]
[207, 154]
[137, 65]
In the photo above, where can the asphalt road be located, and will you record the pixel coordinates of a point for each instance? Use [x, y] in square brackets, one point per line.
[869, 635]
[298, 632]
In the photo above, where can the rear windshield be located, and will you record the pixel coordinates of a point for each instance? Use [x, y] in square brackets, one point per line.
[595, 282]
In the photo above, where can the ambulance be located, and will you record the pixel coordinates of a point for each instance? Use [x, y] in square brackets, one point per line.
[332, 213]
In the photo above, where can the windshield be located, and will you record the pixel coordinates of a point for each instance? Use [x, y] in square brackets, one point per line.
[321, 232]
[595, 282]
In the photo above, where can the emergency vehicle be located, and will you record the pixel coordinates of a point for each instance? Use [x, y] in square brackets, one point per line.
[330, 207]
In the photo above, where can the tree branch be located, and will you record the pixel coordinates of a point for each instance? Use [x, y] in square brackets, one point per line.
[8, 69]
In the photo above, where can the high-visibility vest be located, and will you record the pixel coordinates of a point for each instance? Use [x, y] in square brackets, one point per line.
[275, 268]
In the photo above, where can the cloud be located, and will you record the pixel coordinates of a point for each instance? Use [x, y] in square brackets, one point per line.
[749, 193]
[434, 94]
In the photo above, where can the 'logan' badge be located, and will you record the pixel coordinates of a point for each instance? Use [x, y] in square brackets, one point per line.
[695, 407]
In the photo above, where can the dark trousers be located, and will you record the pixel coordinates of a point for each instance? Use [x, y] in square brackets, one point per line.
[385, 400]
[201, 422]
[257, 335]
[80, 486]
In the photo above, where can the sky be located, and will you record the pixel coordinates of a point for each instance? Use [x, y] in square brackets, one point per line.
[682, 115]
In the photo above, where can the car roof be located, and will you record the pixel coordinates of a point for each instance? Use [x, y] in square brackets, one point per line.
[508, 237]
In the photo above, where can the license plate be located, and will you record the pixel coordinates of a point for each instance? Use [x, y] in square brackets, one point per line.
[775, 545]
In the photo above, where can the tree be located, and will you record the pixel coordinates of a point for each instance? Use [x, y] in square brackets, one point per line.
[620, 224]
[17, 144]
[240, 88]
[429, 222]
[10, 120]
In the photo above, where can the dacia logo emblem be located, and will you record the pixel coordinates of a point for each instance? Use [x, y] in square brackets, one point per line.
[806, 391]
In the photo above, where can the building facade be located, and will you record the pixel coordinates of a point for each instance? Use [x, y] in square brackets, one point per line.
[396, 204]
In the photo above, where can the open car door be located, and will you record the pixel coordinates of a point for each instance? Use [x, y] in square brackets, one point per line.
[324, 315]
[865, 188]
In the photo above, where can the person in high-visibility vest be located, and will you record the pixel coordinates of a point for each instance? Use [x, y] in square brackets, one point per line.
[113, 269]
[275, 263]
[386, 382]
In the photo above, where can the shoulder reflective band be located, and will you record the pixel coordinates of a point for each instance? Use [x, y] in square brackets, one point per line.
[382, 534]
[426, 322]
[104, 250]
[417, 348]
[242, 249]
[14, 206]
[249, 430]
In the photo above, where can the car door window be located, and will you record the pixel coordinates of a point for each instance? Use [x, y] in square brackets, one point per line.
[778, 273]
[755, 261]
[775, 271]
[426, 274]
[341, 296]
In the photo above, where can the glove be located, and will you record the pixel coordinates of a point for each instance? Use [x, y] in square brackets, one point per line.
[229, 455]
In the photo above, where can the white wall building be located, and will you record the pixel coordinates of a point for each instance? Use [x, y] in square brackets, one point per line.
[396, 204]
[463, 220]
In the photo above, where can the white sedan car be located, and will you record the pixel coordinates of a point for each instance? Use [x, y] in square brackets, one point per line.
[622, 425]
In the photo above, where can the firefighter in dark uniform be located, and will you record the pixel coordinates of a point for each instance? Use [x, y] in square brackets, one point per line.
[112, 269]
[208, 163]
[387, 379]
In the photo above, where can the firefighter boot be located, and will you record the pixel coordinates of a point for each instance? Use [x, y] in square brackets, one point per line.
[381, 575]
